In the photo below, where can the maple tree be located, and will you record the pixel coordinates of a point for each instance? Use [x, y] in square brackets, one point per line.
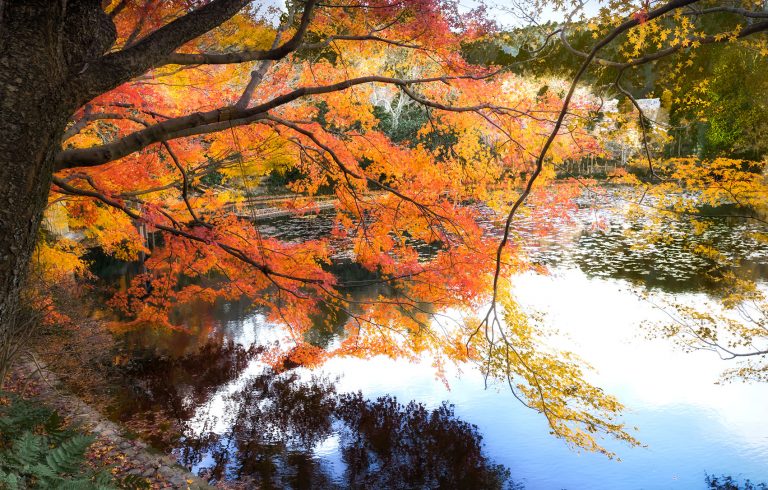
[705, 72]
[117, 113]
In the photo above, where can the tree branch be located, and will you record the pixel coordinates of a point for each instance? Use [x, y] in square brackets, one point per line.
[116, 68]
[244, 56]
[490, 317]
[216, 120]
[732, 10]
[233, 251]
[710, 39]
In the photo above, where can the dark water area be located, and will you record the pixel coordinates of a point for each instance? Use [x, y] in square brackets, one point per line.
[599, 240]
[279, 418]
[603, 243]
[378, 424]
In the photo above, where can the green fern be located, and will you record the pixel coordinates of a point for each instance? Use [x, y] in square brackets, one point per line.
[9, 481]
[134, 482]
[22, 415]
[68, 457]
[26, 450]
[38, 451]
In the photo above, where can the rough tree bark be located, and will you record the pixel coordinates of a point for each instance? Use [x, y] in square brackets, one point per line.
[52, 61]
[42, 42]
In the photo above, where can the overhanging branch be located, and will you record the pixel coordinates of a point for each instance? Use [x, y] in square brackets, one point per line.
[217, 120]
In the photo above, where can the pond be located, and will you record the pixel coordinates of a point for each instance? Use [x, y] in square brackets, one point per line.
[307, 428]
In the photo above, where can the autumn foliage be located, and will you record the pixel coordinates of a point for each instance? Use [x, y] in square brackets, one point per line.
[163, 170]
[373, 107]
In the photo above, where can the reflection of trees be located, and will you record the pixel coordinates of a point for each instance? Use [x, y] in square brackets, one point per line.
[639, 241]
[378, 311]
[729, 483]
[331, 319]
[275, 422]
[739, 333]
[668, 263]
[706, 236]
[159, 392]
[388, 445]
[278, 420]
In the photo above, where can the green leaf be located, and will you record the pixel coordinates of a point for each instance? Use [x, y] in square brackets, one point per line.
[68, 457]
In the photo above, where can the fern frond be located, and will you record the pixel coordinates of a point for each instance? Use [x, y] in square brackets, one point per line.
[27, 449]
[67, 458]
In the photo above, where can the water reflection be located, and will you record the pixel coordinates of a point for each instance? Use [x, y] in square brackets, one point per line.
[348, 441]
[274, 422]
[158, 395]
[727, 482]
[277, 425]
[603, 242]
[600, 240]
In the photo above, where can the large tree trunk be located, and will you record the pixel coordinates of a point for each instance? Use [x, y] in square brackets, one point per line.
[42, 43]
[51, 62]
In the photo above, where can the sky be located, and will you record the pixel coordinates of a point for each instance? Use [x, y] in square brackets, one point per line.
[503, 11]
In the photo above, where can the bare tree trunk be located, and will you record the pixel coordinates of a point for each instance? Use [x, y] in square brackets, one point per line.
[41, 43]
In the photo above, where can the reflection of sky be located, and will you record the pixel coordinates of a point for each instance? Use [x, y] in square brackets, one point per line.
[690, 424]
[329, 453]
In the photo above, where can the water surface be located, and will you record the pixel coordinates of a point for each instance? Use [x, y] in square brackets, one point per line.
[231, 408]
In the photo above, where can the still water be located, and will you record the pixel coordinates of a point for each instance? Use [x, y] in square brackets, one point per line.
[301, 430]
